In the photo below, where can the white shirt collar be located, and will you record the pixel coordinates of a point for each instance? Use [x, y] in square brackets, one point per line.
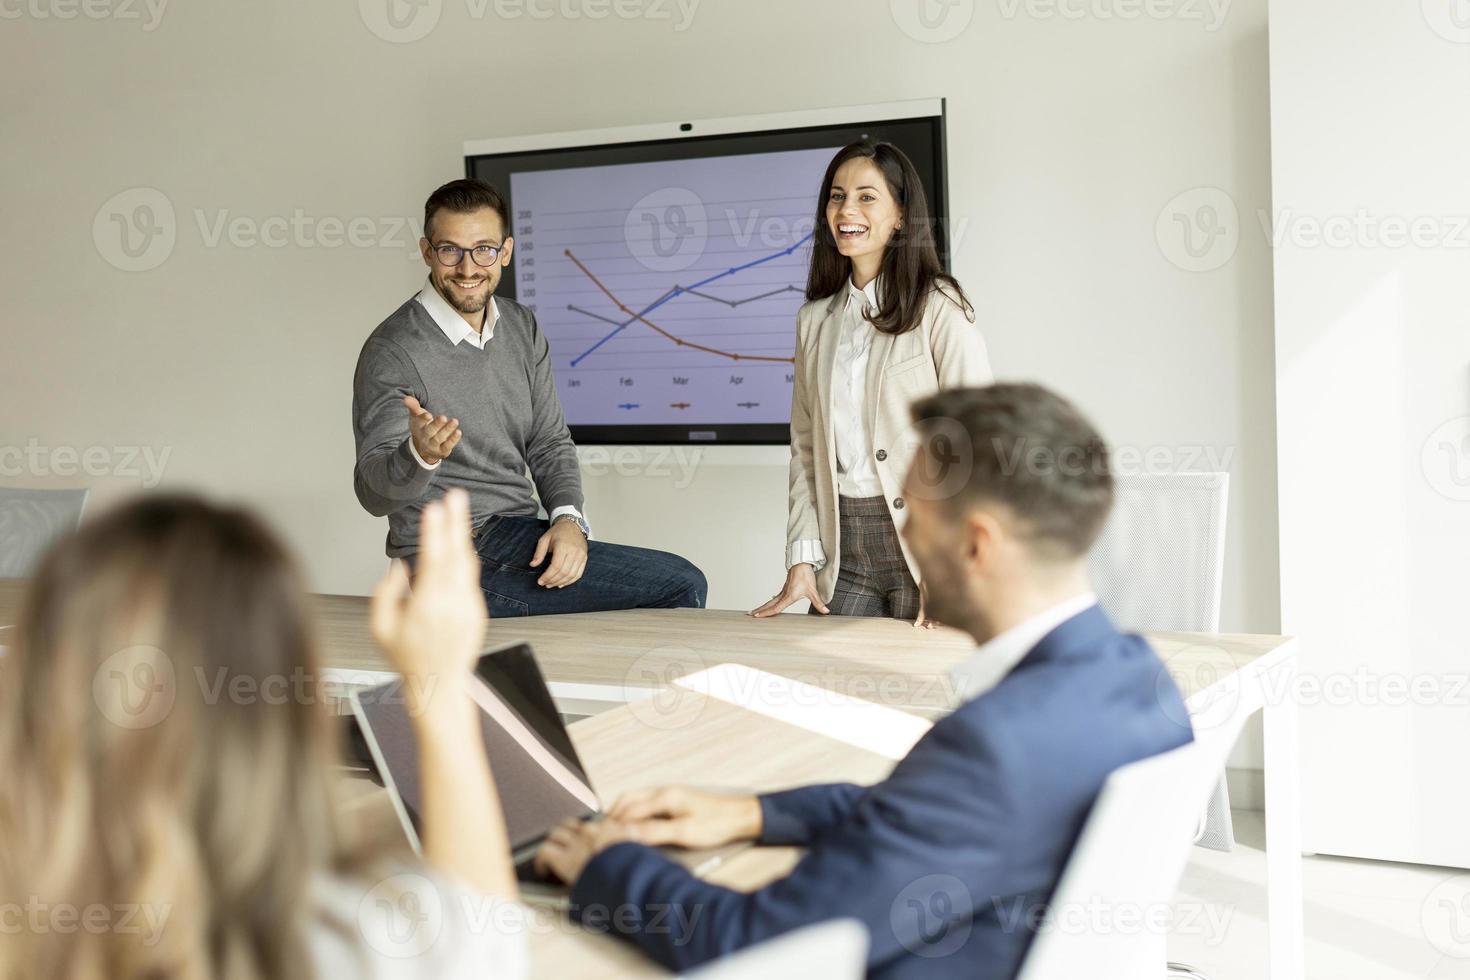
[454, 325]
[868, 294]
[994, 659]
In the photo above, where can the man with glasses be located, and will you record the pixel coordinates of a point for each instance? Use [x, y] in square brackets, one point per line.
[455, 389]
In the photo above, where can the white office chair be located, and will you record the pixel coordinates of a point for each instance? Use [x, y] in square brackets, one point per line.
[30, 520]
[833, 950]
[1159, 565]
[1127, 862]
[1160, 561]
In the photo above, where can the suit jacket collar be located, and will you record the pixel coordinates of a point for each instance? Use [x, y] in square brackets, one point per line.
[1001, 654]
[1079, 636]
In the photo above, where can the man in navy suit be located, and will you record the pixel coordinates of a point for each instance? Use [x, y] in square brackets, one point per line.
[950, 861]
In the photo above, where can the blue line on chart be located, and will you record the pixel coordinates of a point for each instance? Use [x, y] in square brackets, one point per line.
[684, 289]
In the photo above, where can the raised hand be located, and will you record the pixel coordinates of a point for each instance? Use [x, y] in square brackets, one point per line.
[432, 636]
[436, 631]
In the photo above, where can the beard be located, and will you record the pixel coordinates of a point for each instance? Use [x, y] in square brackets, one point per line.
[475, 303]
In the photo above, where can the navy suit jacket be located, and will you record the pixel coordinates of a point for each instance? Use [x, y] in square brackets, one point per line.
[949, 861]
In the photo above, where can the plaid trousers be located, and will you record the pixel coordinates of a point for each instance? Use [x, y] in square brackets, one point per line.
[872, 577]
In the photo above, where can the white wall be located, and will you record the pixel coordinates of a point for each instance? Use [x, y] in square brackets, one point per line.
[1070, 138]
[1371, 123]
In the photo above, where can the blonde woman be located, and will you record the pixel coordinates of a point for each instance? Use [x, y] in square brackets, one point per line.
[167, 809]
[883, 326]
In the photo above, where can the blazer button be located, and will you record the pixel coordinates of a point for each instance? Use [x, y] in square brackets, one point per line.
[898, 503]
[882, 454]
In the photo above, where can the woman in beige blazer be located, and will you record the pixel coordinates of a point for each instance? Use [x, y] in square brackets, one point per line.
[883, 326]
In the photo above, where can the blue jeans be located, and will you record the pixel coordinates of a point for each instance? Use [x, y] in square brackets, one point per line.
[616, 577]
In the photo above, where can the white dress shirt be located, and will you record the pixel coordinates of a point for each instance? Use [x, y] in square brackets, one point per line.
[457, 329]
[995, 658]
[856, 474]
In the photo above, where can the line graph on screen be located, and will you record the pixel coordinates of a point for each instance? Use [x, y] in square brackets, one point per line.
[668, 291]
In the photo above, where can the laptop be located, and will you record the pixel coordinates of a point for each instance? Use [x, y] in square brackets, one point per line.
[539, 777]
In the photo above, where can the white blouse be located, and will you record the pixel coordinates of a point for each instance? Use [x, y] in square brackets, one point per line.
[416, 925]
[856, 474]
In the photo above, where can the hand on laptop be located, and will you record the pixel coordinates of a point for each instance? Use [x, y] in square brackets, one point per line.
[672, 815]
[687, 817]
[435, 633]
[573, 843]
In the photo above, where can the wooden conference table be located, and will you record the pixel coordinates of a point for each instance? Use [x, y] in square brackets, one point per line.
[799, 699]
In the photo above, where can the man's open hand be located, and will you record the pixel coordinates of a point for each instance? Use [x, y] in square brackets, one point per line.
[434, 436]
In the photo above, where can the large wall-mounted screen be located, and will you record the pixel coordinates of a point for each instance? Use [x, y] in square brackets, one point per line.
[666, 264]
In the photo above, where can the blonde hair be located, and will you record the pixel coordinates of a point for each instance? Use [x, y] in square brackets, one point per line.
[166, 751]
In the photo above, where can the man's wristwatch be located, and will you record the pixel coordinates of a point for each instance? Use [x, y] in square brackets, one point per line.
[582, 525]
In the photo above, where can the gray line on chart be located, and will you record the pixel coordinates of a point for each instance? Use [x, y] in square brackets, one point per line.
[595, 316]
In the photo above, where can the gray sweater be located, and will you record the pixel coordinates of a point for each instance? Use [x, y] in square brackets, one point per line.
[508, 412]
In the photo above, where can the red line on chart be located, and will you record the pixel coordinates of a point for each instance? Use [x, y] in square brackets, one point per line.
[678, 340]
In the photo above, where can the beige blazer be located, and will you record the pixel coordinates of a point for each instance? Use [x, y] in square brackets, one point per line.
[946, 350]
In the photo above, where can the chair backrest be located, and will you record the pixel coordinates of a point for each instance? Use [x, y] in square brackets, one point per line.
[1160, 560]
[1109, 915]
[30, 520]
[832, 950]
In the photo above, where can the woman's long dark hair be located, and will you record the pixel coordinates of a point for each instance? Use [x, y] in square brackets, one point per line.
[910, 267]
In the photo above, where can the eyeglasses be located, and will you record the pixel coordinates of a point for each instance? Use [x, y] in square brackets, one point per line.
[452, 255]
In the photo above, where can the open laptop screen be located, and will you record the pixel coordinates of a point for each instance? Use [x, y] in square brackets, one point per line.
[537, 773]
